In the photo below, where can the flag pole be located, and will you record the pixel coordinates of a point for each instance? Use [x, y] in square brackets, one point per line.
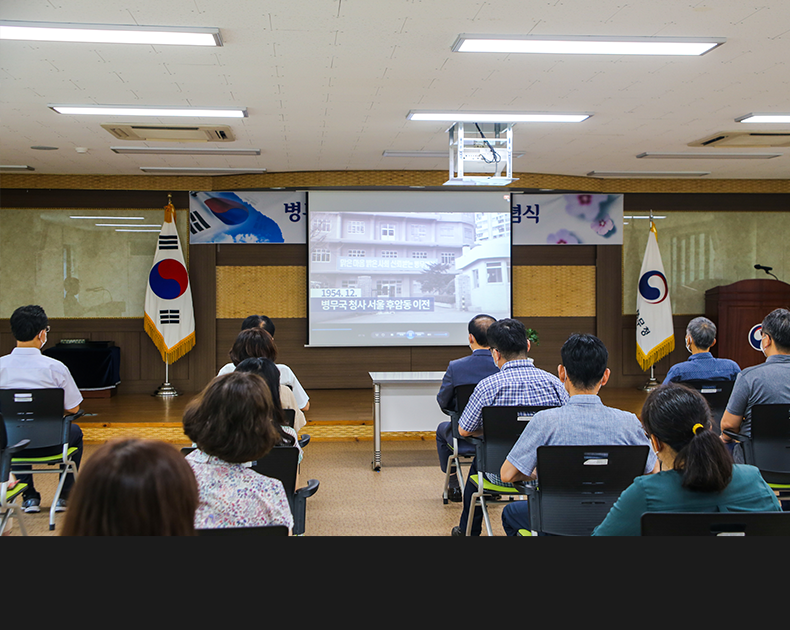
[166, 389]
[652, 383]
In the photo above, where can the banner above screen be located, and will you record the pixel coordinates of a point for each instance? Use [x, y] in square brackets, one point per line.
[247, 217]
[567, 219]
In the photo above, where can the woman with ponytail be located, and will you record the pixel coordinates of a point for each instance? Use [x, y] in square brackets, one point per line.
[697, 472]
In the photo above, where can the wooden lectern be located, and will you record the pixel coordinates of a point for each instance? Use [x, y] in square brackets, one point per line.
[736, 308]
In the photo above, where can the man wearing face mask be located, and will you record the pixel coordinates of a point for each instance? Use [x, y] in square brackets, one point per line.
[27, 368]
[702, 365]
[764, 384]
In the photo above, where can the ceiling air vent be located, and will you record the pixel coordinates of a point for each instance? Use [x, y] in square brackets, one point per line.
[171, 133]
[744, 139]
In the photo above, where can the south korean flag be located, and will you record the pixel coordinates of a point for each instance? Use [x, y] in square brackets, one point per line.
[169, 316]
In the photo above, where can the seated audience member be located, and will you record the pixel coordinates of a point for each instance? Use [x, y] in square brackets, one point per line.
[702, 365]
[133, 488]
[764, 384]
[583, 420]
[27, 368]
[469, 370]
[518, 382]
[282, 397]
[231, 422]
[697, 472]
[254, 344]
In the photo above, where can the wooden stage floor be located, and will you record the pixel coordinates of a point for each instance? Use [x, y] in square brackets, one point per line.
[334, 415]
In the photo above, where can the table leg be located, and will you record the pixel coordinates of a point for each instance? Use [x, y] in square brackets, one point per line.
[376, 427]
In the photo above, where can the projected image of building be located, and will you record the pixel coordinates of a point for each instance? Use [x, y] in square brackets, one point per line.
[416, 267]
[390, 255]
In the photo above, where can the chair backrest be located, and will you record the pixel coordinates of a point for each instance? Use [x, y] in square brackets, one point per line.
[265, 530]
[770, 448]
[35, 415]
[716, 524]
[577, 485]
[502, 426]
[290, 417]
[717, 393]
[282, 462]
[462, 394]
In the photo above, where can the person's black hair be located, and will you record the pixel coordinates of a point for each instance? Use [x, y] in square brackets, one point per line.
[702, 332]
[478, 328]
[27, 322]
[267, 369]
[777, 325]
[509, 337]
[258, 321]
[680, 417]
[584, 358]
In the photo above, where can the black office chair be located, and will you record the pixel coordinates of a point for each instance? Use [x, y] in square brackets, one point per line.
[716, 524]
[8, 508]
[768, 448]
[717, 393]
[37, 415]
[502, 426]
[290, 418]
[577, 485]
[462, 394]
[266, 530]
[282, 463]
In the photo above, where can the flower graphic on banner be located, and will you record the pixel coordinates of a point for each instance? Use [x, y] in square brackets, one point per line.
[585, 207]
[562, 237]
[603, 226]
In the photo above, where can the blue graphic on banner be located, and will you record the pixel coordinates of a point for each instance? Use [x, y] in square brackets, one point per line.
[372, 305]
[569, 219]
[247, 217]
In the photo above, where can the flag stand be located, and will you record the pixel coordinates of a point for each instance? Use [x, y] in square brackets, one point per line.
[652, 383]
[166, 390]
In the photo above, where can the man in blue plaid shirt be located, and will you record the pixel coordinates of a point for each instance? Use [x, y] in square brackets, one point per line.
[518, 382]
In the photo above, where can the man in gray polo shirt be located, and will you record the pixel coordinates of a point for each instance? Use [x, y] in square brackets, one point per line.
[764, 384]
[581, 421]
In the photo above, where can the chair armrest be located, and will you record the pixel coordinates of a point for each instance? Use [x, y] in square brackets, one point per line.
[736, 436]
[22, 444]
[309, 490]
[304, 440]
[526, 487]
[73, 416]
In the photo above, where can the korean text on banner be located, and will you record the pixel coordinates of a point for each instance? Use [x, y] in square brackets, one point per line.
[169, 316]
[655, 336]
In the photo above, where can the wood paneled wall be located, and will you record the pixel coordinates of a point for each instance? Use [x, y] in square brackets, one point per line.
[583, 295]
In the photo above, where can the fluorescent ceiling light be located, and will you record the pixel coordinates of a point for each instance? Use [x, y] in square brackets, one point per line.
[182, 151]
[648, 173]
[108, 218]
[494, 117]
[130, 225]
[710, 156]
[142, 110]
[586, 45]
[16, 167]
[184, 170]
[109, 33]
[426, 154]
[764, 118]
[480, 181]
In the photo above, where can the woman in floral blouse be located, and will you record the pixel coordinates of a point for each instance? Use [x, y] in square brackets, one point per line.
[230, 421]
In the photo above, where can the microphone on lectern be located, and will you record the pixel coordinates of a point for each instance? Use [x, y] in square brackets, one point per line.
[766, 270]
